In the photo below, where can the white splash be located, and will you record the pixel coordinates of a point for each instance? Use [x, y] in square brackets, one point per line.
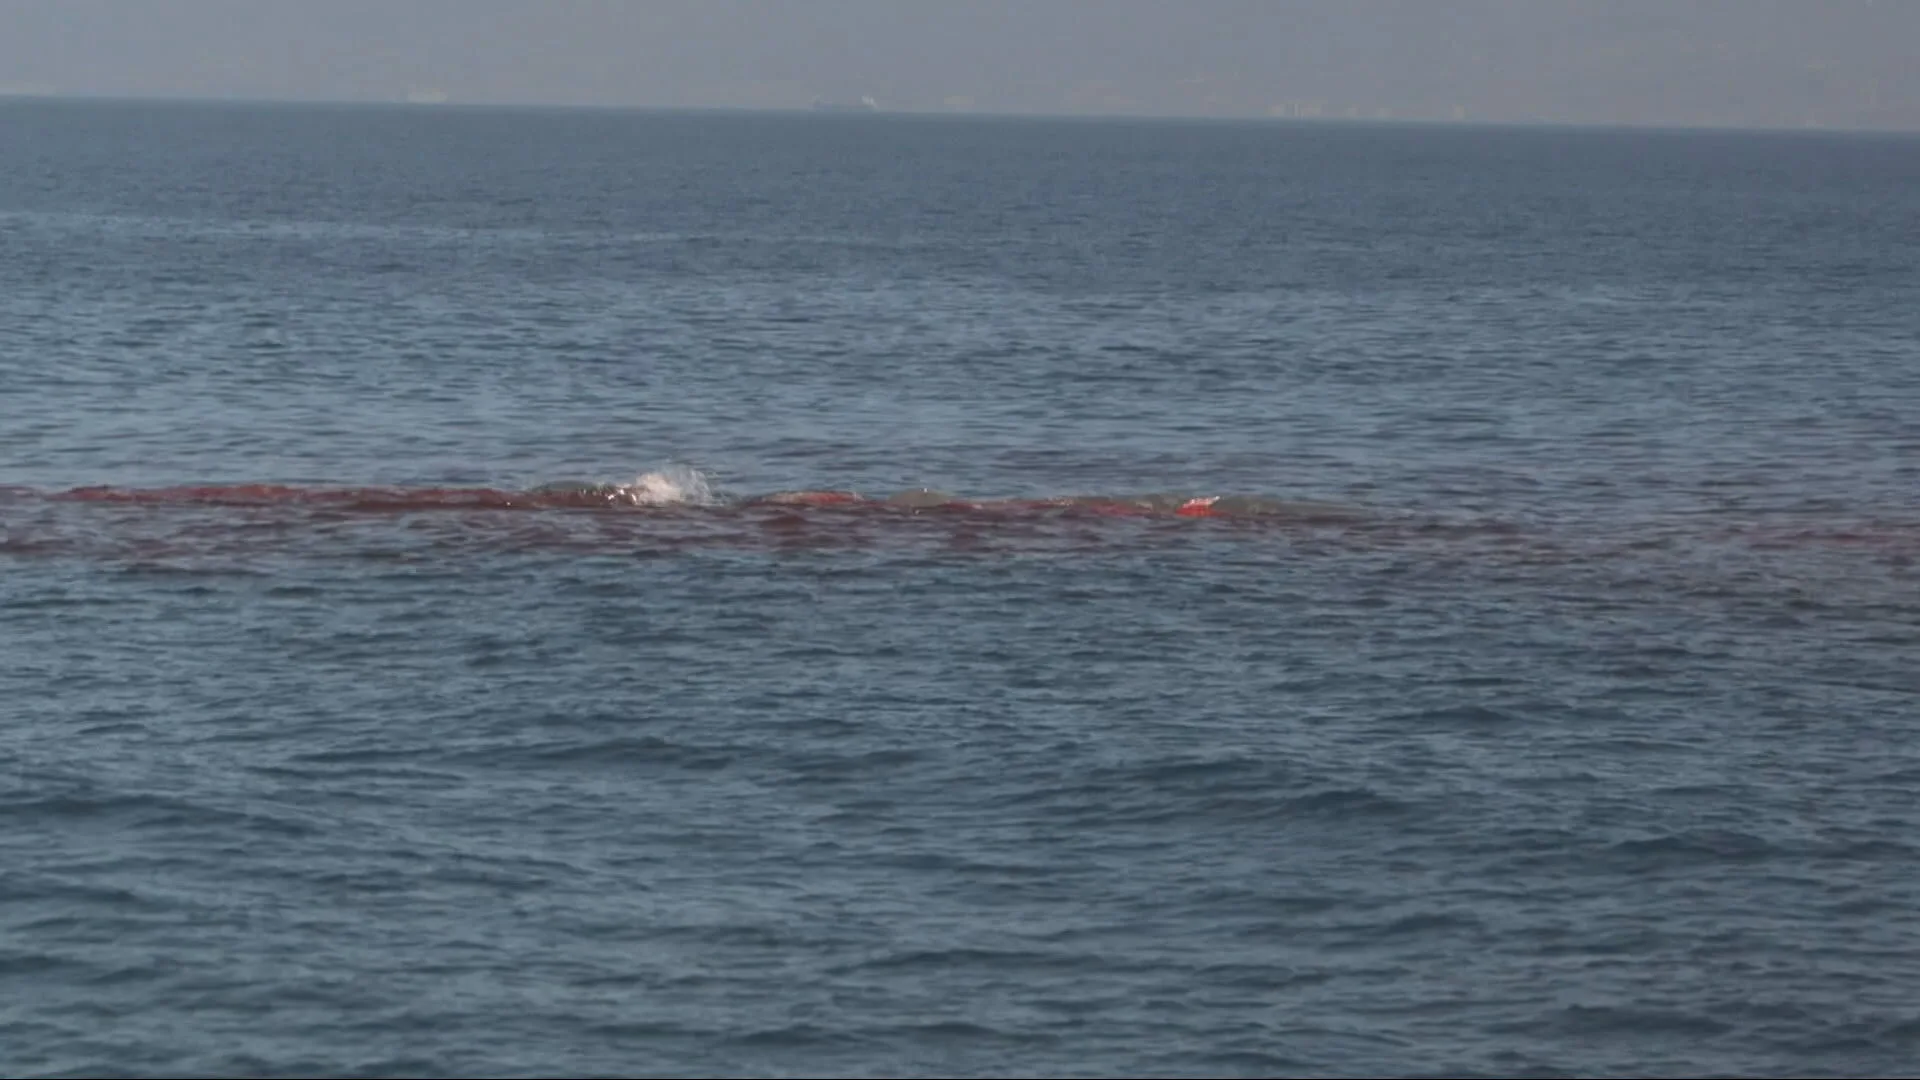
[671, 486]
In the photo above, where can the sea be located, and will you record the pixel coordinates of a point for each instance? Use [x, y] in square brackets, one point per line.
[496, 592]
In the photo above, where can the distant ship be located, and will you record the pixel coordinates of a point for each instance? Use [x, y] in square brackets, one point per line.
[864, 105]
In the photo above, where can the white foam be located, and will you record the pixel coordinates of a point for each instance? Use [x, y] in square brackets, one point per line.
[671, 486]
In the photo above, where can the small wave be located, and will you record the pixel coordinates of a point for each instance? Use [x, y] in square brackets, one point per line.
[1345, 803]
[1468, 717]
[1702, 845]
[1643, 1022]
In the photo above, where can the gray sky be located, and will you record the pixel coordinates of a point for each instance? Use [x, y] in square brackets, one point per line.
[1791, 63]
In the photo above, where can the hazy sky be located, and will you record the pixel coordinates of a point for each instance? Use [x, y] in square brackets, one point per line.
[1847, 63]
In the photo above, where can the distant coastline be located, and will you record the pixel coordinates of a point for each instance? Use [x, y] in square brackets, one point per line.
[864, 105]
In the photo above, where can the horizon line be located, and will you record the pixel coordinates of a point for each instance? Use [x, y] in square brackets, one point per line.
[9, 96]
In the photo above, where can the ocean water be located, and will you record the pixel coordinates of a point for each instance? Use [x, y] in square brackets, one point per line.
[412, 661]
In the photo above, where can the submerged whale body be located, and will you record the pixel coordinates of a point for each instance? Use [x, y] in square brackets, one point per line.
[576, 487]
[809, 498]
[922, 498]
[192, 521]
[668, 491]
[1150, 504]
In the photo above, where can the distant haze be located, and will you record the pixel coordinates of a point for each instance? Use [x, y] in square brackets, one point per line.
[1764, 63]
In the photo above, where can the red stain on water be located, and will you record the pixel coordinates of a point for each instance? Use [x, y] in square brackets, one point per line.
[368, 498]
[263, 518]
[1198, 507]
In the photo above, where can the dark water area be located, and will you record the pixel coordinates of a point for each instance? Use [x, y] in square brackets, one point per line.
[1403, 601]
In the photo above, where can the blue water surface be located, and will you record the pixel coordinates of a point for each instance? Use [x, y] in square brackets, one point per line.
[1581, 742]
